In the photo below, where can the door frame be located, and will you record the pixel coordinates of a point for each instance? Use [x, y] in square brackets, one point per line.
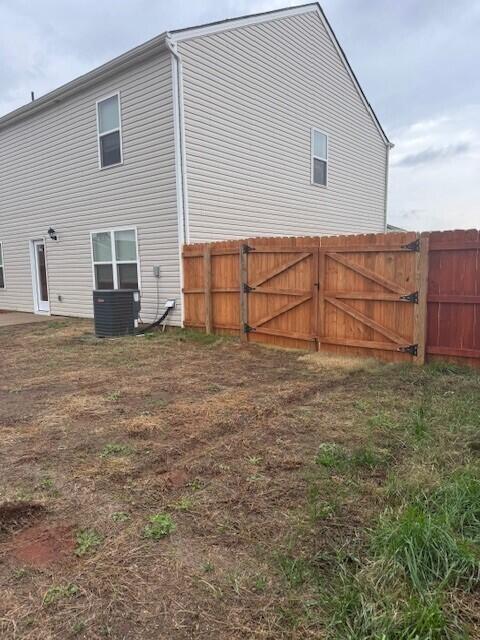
[35, 281]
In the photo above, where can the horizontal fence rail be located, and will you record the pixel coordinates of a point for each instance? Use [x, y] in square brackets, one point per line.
[397, 296]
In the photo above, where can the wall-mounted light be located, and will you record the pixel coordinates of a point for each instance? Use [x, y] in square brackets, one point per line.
[52, 234]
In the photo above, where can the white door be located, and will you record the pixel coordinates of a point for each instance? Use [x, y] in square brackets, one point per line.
[40, 280]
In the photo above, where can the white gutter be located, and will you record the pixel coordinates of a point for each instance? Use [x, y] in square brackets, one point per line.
[179, 135]
[180, 159]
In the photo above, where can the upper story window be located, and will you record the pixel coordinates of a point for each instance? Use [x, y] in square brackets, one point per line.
[2, 276]
[319, 158]
[115, 259]
[109, 131]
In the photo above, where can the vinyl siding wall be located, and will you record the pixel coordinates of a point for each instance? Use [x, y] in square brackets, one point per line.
[252, 95]
[49, 176]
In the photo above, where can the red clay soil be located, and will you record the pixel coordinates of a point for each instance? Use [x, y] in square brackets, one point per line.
[43, 545]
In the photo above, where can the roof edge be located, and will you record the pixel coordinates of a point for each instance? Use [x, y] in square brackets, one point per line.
[121, 62]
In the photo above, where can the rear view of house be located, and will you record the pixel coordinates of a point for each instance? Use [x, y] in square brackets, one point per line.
[248, 127]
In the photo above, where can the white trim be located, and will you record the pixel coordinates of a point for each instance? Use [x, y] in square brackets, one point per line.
[245, 21]
[313, 131]
[114, 262]
[35, 277]
[2, 266]
[235, 23]
[105, 133]
[387, 165]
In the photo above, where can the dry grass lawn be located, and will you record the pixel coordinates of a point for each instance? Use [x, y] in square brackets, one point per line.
[269, 470]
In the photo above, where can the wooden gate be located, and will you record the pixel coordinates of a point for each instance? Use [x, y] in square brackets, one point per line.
[372, 297]
[279, 293]
[349, 294]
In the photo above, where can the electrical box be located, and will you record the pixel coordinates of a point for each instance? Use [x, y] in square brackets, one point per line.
[156, 271]
[116, 312]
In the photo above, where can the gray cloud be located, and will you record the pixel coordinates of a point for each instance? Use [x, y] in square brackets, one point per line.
[434, 154]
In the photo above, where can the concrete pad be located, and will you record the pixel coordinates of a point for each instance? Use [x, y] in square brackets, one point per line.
[13, 318]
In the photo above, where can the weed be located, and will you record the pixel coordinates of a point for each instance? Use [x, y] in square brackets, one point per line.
[87, 540]
[114, 396]
[120, 516]
[78, 627]
[256, 460]
[185, 503]
[46, 483]
[115, 449]
[160, 526]
[21, 573]
[260, 583]
[54, 594]
[208, 567]
[196, 484]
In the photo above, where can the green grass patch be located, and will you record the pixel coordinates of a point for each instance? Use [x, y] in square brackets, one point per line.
[115, 449]
[60, 592]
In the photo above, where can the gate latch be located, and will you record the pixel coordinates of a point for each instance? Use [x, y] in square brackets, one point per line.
[411, 297]
[247, 328]
[412, 349]
[247, 288]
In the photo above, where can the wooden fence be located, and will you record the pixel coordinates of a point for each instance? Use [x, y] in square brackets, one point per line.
[396, 296]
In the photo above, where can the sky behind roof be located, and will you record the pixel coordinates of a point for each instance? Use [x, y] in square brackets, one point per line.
[416, 61]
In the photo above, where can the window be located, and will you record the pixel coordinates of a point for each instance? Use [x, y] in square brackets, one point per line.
[115, 261]
[319, 158]
[2, 276]
[109, 131]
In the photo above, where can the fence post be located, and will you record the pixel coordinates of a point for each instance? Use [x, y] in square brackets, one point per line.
[422, 306]
[321, 297]
[243, 281]
[207, 285]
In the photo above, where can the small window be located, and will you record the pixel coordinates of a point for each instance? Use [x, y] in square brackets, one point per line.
[2, 275]
[115, 260]
[319, 158]
[109, 131]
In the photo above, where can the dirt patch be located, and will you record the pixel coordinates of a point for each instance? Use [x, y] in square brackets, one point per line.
[43, 545]
[15, 515]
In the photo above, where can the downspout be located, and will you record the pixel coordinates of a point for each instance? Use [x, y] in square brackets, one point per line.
[389, 146]
[180, 160]
[179, 138]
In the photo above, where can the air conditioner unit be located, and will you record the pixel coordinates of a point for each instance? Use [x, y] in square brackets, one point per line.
[116, 312]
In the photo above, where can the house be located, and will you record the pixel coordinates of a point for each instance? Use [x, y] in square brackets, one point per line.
[248, 127]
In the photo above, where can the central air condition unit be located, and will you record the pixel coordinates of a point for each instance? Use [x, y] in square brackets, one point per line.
[116, 312]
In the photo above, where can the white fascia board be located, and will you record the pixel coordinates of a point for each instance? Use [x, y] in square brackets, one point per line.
[235, 23]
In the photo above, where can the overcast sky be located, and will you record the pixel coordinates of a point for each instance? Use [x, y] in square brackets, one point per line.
[417, 60]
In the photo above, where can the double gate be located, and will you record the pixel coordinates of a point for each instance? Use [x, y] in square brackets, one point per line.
[346, 294]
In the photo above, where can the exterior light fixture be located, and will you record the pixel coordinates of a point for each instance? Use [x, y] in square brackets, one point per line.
[52, 234]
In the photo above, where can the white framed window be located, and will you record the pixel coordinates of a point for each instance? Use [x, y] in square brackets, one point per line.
[109, 131]
[2, 268]
[319, 150]
[115, 259]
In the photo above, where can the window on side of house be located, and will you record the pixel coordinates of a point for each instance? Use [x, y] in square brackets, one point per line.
[319, 158]
[2, 273]
[115, 259]
[109, 131]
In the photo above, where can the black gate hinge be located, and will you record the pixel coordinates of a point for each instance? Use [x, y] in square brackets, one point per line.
[247, 249]
[247, 288]
[412, 349]
[247, 328]
[412, 246]
[411, 297]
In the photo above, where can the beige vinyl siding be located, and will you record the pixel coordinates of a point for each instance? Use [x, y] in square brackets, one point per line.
[251, 96]
[50, 176]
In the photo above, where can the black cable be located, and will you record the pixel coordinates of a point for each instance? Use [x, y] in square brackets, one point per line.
[156, 323]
